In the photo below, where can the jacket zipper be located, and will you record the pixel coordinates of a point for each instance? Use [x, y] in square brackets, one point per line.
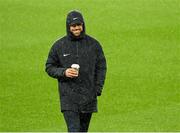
[77, 57]
[77, 52]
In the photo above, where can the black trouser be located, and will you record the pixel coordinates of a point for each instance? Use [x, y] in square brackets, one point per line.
[77, 122]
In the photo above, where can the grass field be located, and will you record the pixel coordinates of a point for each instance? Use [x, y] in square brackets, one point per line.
[141, 41]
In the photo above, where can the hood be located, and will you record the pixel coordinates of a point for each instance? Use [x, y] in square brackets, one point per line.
[72, 18]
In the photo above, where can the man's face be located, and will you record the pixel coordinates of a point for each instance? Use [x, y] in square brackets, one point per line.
[76, 29]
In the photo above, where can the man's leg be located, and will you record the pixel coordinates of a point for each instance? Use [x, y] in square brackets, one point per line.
[72, 121]
[84, 121]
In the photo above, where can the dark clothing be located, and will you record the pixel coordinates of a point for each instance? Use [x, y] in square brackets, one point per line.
[77, 122]
[81, 91]
[77, 94]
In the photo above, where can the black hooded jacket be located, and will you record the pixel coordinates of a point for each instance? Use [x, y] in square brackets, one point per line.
[77, 94]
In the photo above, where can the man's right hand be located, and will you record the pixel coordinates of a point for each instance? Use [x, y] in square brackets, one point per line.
[71, 73]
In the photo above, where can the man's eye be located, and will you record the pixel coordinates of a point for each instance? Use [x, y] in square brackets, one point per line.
[74, 25]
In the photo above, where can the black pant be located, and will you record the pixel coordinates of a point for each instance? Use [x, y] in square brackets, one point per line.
[77, 122]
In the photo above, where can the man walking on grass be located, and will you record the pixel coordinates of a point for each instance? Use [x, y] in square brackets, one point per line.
[78, 63]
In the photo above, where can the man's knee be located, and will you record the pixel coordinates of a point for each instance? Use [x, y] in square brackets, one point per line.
[72, 121]
[73, 126]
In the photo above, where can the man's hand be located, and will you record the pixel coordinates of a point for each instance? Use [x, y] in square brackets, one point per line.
[71, 73]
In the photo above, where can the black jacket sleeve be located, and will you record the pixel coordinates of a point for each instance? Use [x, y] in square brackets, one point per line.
[53, 67]
[100, 71]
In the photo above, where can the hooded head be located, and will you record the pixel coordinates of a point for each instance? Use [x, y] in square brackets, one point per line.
[75, 17]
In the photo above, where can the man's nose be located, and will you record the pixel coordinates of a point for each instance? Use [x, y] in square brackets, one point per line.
[76, 26]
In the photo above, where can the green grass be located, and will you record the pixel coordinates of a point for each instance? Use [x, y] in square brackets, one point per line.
[141, 43]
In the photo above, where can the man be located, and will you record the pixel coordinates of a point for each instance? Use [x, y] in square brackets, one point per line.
[78, 88]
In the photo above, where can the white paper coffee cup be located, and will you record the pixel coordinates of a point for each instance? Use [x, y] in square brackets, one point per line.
[76, 66]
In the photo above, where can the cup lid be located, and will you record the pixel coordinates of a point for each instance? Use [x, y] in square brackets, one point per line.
[76, 66]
